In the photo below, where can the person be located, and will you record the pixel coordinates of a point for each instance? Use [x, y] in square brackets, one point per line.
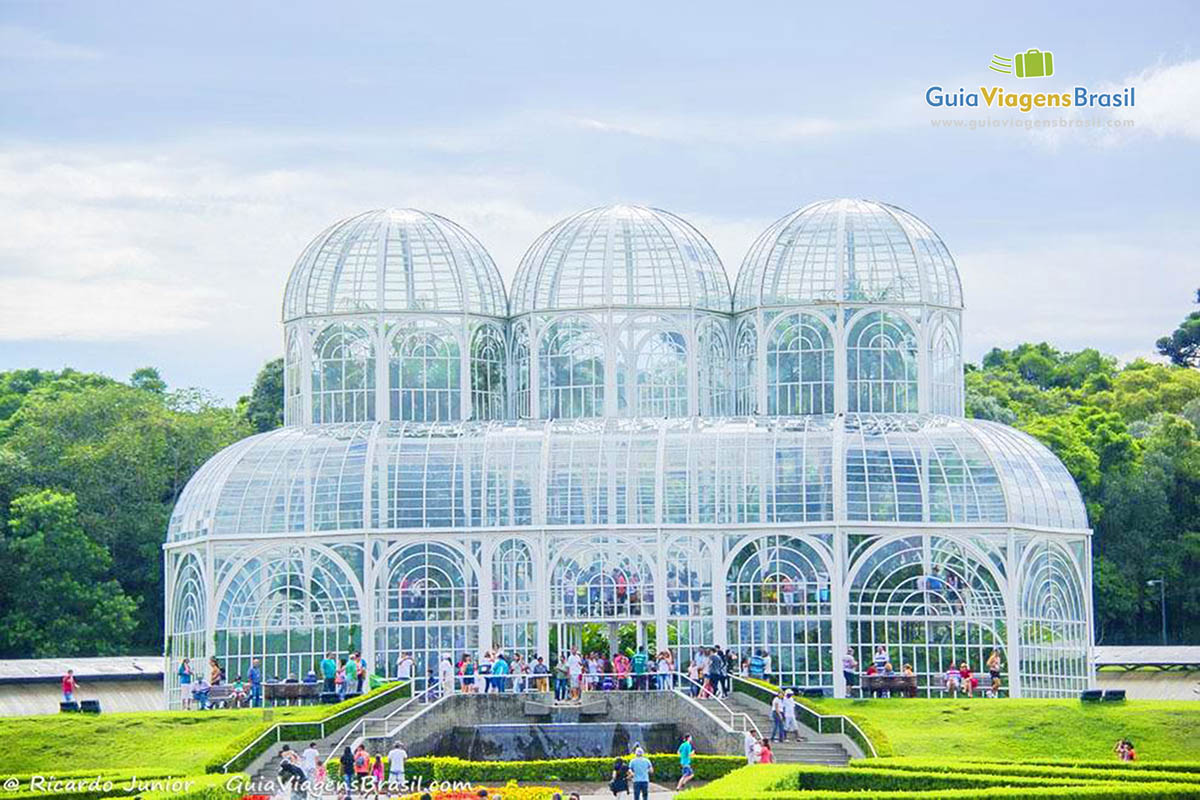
[778, 732]
[641, 769]
[789, 715]
[405, 667]
[716, 673]
[880, 658]
[575, 673]
[966, 680]
[619, 785]
[308, 762]
[850, 669]
[215, 673]
[685, 763]
[664, 671]
[310, 677]
[951, 680]
[377, 772]
[693, 675]
[500, 672]
[446, 673]
[185, 684]
[339, 680]
[768, 673]
[238, 696]
[994, 665]
[256, 689]
[200, 693]
[291, 776]
[329, 673]
[639, 663]
[541, 676]
[908, 672]
[69, 686]
[561, 678]
[346, 762]
[362, 766]
[765, 756]
[758, 666]
[360, 671]
[396, 758]
[621, 666]
[750, 744]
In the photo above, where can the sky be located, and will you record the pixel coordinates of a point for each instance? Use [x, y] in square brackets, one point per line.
[162, 165]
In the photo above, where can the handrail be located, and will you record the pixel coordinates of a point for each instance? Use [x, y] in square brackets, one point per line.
[277, 729]
[361, 728]
[811, 715]
[732, 714]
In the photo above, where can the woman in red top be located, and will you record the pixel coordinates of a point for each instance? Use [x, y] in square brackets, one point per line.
[765, 756]
[968, 682]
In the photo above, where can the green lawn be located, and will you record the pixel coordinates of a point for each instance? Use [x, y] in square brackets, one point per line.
[176, 741]
[1025, 729]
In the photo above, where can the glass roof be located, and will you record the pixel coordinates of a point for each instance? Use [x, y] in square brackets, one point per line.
[899, 468]
[848, 250]
[621, 256]
[394, 260]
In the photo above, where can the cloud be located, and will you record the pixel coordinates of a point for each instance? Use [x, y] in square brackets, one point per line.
[734, 128]
[17, 44]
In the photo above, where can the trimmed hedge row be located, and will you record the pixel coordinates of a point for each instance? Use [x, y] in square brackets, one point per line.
[804, 782]
[449, 768]
[1129, 774]
[339, 716]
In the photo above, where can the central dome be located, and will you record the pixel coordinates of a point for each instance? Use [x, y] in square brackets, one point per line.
[394, 260]
[621, 256]
[855, 251]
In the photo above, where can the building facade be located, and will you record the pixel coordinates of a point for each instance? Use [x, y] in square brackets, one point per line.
[626, 446]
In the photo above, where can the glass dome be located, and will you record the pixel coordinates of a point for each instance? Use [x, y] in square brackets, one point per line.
[394, 260]
[859, 251]
[626, 256]
[897, 468]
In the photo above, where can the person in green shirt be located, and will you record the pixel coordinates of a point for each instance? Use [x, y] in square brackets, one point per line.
[329, 672]
[562, 677]
[685, 763]
[639, 662]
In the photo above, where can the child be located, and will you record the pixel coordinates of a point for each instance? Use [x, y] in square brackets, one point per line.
[339, 680]
[377, 770]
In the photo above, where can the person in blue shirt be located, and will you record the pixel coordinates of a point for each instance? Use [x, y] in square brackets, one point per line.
[642, 769]
[255, 676]
[500, 672]
[329, 672]
[185, 683]
[685, 763]
[758, 665]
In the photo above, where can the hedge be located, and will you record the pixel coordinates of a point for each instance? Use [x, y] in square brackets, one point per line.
[781, 782]
[449, 768]
[339, 716]
[1132, 774]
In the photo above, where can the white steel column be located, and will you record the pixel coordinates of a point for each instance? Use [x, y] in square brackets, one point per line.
[720, 610]
[1012, 616]
[486, 610]
[661, 619]
[541, 597]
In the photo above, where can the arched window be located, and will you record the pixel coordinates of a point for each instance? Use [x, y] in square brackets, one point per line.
[602, 578]
[746, 355]
[343, 375]
[882, 364]
[520, 362]
[662, 375]
[188, 632]
[930, 601]
[945, 367]
[1054, 626]
[800, 366]
[293, 404]
[715, 384]
[513, 595]
[424, 374]
[571, 367]
[487, 374]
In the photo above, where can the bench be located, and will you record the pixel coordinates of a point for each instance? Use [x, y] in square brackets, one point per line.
[903, 685]
[291, 692]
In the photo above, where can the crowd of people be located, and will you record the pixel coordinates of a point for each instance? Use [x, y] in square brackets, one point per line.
[957, 679]
[378, 776]
[335, 676]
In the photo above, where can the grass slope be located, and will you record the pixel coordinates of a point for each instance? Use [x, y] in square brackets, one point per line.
[177, 742]
[1025, 729]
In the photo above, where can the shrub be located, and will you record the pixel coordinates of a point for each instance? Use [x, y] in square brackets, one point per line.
[449, 768]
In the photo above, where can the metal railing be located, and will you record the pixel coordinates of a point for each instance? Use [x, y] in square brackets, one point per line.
[275, 733]
[821, 723]
[427, 696]
[735, 717]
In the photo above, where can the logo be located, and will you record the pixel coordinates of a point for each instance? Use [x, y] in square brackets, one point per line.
[1033, 63]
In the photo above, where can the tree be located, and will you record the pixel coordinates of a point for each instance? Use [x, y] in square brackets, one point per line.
[1183, 346]
[263, 407]
[148, 379]
[58, 600]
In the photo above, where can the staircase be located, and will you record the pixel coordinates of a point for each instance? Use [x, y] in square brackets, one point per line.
[265, 769]
[814, 748]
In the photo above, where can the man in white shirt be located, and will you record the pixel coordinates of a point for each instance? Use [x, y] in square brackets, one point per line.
[575, 672]
[395, 758]
[751, 745]
[446, 674]
[308, 761]
[404, 667]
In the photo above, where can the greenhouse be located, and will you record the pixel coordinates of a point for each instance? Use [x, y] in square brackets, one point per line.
[625, 447]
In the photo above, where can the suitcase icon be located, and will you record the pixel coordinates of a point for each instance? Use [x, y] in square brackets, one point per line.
[1034, 63]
